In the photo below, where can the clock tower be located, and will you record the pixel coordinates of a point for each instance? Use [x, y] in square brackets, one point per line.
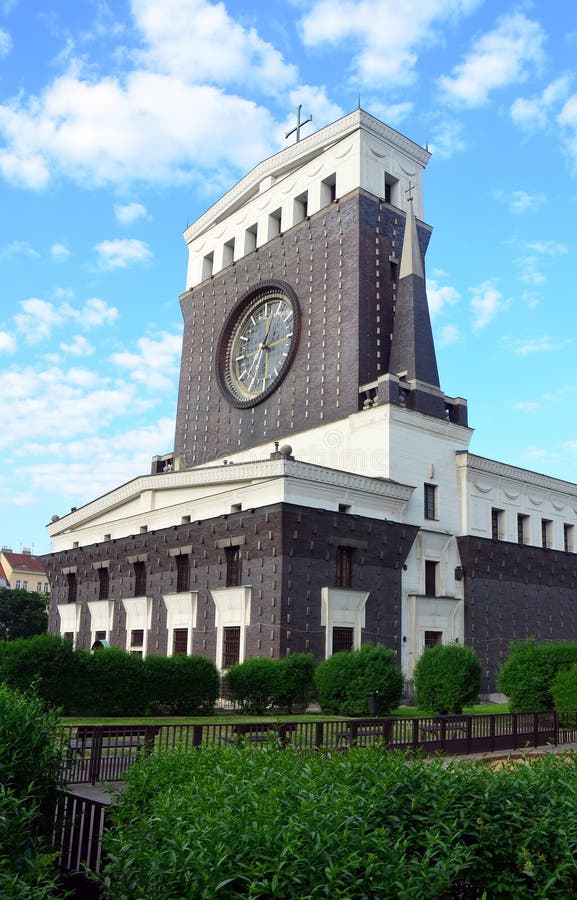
[298, 303]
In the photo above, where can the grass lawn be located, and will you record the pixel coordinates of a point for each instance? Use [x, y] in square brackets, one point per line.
[408, 712]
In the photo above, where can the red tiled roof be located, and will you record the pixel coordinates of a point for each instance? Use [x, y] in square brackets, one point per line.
[25, 562]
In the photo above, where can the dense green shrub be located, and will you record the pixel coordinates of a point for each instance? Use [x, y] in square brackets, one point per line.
[181, 685]
[234, 823]
[295, 680]
[447, 677]
[22, 613]
[564, 689]
[344, 681]
[29, 779]
[50, 663]
[115, 684]
[254, 683]
[527, 675]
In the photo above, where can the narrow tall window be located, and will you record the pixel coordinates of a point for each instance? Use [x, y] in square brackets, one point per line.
[139, 579]
[522, 529]
[72, 587]
[136, 641]
[430, 501]
[344, 568]
[431, 578]
[569, 538]
[99, 635]
[546, 534]
[497, 524]
[432, 638]
[180, 641]
[233, 566]
[182, 572]
[230, 646]
[342, 639]
[103, 584]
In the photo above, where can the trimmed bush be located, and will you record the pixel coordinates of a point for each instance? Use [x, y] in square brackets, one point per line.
[115, 684]
[295, 681]
[527, 675]
[564, 690]
[254, 684]
[48, 662]
[181, 685]
[233, 823]
[447, 678]
[29, 779]
[344, 681]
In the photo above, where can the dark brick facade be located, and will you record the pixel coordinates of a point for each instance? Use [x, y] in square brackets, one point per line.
[288, 554]
[514, 592]
[341, 263]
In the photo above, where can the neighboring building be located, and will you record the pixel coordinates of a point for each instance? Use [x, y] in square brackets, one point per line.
[23, 570]
[320, 493]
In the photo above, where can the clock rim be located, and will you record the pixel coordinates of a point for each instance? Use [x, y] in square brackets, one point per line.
[233, 321]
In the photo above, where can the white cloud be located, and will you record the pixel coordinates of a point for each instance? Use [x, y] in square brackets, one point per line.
[498, 58]
[446, 139]
[198, 41]
[440, 296]
[78, 346]
[527, 406]
[519, 201]
[487, 302]
[7, 342]
[18, 248]
[549, 248]
[129, 213]
[532, 114]
[567, 120]
[5, 43]
[527, 347]
[59, 252]
[386, 34]
[529, 271]
[121, 253]
[39, 318]
[156, 362]
[449, 334]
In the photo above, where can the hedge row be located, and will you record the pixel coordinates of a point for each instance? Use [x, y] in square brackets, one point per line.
[108, 682]
[528, 675]
[234, 823]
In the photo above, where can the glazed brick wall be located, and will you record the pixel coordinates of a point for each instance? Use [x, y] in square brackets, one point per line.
[288, 555]
[514, 592]
[338, 263]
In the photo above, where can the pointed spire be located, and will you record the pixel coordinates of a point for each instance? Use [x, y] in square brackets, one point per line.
[412, 347]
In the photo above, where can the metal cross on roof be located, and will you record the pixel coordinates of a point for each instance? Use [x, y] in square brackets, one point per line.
[409, 191]
[299, 124]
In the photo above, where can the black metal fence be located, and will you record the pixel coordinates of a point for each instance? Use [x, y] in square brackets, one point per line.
[104, 752]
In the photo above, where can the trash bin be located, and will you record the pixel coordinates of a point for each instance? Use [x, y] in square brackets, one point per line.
[373, 703]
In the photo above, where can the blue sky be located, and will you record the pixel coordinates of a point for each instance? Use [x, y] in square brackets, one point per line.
[121, 122]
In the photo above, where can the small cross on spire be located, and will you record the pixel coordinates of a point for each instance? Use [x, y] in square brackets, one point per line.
[299, 125]
[410, 189]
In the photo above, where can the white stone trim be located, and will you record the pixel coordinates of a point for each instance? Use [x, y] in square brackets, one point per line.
[181, 611]
[101, 613]
[69, 618]
[232, 609]
[138, 616]
[344, 608]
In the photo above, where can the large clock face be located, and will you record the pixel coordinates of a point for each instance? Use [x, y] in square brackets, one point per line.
[258, 344]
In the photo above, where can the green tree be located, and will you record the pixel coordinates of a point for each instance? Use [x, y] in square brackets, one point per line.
[22, 613]
[447, 678]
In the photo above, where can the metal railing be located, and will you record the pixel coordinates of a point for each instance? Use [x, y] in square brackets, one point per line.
[104, 752]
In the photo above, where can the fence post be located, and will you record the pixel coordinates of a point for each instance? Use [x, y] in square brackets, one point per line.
[95, 754]
[319, 734]
[515, 745]
[197, 734]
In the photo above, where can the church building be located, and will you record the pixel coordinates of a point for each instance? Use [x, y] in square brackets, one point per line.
[320, 493]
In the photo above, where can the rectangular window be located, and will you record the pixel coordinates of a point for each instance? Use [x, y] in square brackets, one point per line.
[139, 579]
[38, 587]
[344, 567]
[18, 584]
[45, 587]
[68, 635]
[343, 639]
[430, 578]
[72, 586]
[230, 646]
[430, 501]
[180, 641]
[103, 584]
[432, 638]
[137, 637]
[497, 524]
[522, 529]
[569, 538]
[546, 534]
[99, 635]
[233, 566]
[25, 585]
[182, 572]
